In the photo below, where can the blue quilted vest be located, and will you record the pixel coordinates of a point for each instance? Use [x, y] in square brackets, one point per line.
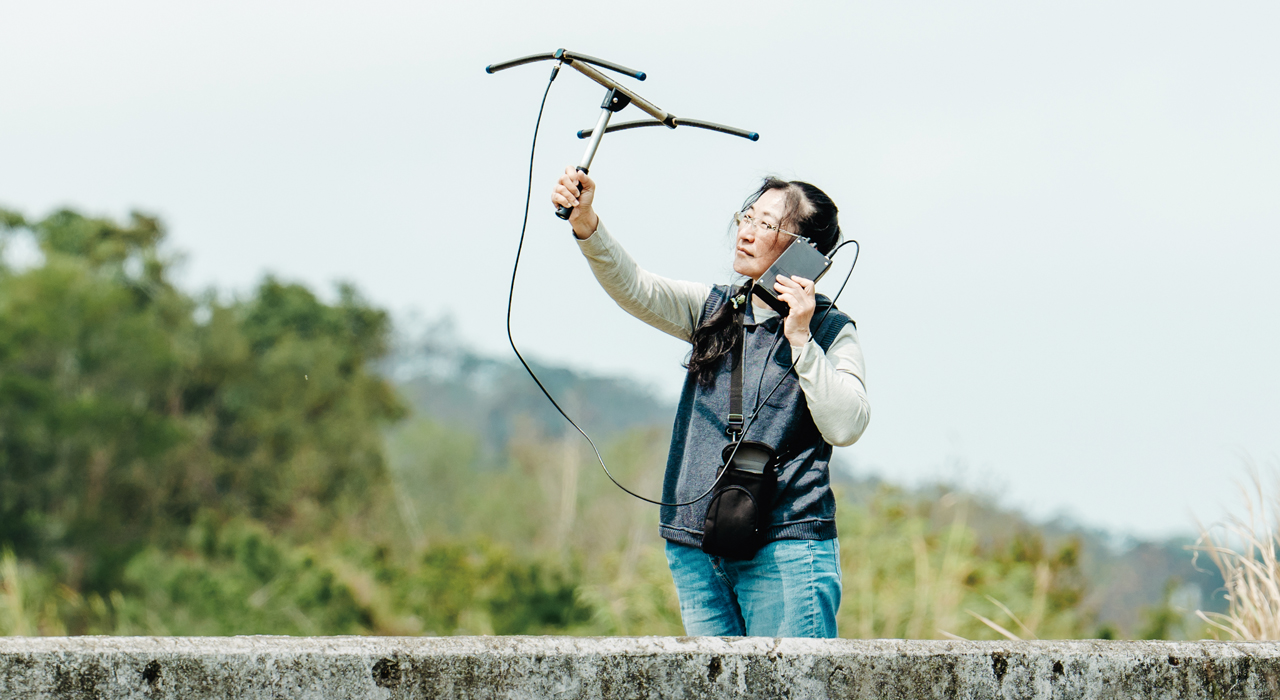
[804, 507]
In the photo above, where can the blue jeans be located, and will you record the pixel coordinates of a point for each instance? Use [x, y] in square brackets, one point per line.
[790, 589]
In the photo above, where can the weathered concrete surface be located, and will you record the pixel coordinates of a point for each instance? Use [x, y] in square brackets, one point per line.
[195, 668]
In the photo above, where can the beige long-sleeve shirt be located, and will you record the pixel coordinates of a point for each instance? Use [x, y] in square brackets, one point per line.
[832, 382]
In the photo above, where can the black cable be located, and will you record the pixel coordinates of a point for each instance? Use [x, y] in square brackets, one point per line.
[528, 197]
[857, 250]
[760, 402]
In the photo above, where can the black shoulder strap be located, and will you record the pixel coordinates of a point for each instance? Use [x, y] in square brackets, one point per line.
[720, 295]
[734, 425]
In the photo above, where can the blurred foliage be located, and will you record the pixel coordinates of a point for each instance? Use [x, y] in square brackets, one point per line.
[123, 415]
[914, 568]
[181, 465]
[177, 464]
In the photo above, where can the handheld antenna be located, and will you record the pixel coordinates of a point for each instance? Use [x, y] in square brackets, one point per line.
[615, 100]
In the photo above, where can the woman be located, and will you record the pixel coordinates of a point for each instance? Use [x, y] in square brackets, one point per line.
[791, 587]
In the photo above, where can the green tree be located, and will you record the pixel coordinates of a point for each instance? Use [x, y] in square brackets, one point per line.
[127, 406]
[94, 345]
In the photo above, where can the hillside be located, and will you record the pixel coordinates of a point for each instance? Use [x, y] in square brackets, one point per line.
[1132, 587]
[173, 464]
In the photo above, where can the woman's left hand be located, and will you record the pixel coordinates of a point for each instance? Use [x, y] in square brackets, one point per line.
[798, 293]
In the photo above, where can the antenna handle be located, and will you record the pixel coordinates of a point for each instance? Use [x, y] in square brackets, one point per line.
[564, 212]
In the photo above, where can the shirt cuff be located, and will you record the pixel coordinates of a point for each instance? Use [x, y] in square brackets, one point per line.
[592, 237]
[805, 355]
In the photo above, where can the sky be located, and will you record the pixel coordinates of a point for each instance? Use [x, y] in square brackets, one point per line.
[1068, 212]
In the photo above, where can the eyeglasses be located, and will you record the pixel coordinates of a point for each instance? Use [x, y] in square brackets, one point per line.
[745, 219]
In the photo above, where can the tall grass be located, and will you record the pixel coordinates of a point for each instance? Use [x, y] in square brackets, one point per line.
[1244, 548]
[916, 567]
[541, 543]
[14, 622]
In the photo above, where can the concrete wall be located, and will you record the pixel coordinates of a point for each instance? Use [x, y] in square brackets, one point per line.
[647, 667]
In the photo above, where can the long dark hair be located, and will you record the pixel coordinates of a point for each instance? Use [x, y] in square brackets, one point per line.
[809, 212]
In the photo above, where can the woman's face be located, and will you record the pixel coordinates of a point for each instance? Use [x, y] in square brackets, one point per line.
[756, 248]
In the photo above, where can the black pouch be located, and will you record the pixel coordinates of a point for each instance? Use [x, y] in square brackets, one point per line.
[738, 513]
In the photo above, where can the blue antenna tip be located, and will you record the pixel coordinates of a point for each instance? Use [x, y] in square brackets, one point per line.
[641, 75]
[753, 136]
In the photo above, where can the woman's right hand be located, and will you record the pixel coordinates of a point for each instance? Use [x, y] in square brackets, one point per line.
[575, 189]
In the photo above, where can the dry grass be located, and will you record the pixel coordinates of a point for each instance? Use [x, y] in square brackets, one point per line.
[915, 569]
[1244, 549]
[14, 620]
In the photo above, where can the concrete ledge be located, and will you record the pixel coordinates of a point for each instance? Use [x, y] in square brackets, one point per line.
[196, 668]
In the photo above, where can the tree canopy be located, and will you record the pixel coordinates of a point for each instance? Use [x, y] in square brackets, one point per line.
[127, 406]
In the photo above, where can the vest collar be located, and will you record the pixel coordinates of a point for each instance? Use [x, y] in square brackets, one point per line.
[758, 313]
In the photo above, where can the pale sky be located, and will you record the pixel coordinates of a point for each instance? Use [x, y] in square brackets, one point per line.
[1068, 213]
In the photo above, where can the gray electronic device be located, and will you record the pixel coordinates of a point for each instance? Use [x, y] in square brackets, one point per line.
[800, 259]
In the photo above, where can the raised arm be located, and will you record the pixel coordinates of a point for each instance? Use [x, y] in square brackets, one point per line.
[671, 306]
